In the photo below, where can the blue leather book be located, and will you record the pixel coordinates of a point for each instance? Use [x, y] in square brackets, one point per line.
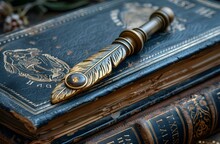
[133, 129]
[190, 119]
[35, 59]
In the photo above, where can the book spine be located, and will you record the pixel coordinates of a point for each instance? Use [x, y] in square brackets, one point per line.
[186, 121]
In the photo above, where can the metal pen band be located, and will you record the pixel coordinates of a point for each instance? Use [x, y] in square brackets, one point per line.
[88, 72]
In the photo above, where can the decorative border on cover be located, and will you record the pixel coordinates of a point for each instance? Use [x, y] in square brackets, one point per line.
[152, 59]
[41, 28]
[56, 22]
[163, 54]
[145, 62]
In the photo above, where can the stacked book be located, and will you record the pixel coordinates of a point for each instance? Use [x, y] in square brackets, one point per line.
[169, 92]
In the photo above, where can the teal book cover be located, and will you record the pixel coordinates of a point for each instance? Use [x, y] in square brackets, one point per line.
[34, 60]
[192, 118]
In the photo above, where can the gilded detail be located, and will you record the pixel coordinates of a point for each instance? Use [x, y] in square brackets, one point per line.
[75, 79]
[34, 65]
[200, 115]
[94, 68]
[101, 64]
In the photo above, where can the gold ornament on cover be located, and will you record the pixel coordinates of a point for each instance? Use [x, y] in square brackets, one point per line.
[88, 72]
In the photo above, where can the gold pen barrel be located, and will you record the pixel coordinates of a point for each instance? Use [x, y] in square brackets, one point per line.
[88, 72]
[159, 20]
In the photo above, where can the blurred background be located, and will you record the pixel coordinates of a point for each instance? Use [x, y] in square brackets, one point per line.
[18, 14]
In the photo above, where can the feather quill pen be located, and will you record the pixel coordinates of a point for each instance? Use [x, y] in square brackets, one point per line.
[88, 72]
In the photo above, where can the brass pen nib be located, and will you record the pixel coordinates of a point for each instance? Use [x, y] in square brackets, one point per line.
[88, 72]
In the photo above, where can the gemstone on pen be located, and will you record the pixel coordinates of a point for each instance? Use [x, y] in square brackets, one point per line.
[76, 80]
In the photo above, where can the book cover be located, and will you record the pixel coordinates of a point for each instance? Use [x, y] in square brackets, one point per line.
[35, 59]
[189, 117]
[128, 131]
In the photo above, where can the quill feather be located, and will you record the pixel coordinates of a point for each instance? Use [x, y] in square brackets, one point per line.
[94, 68]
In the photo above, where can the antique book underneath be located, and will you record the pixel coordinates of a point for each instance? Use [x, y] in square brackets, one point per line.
[34, 61]
[191, 117]
[201, 107]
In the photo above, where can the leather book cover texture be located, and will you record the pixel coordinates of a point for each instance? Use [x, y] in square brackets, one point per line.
[126, 131]
[191, 118]
[34, 60]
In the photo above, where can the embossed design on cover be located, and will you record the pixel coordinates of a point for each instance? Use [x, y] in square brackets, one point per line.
[188, 43]
[210, 3]
[200, 116]
[34, 65]
[135, 14]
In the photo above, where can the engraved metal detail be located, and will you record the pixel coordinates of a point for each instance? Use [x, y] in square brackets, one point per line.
[34, 65]
[94, 68]
[146, 61]
[101, 64]
[193, 41]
